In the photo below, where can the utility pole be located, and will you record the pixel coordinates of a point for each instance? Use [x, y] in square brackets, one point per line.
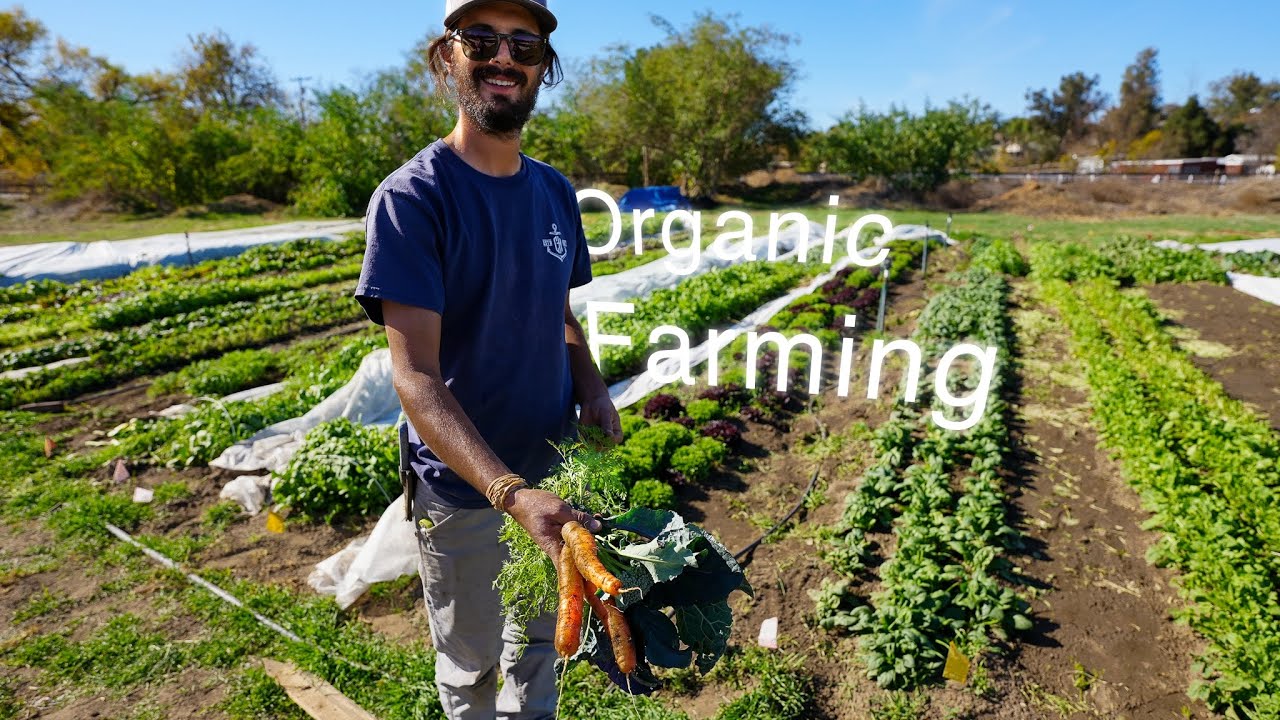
[302, 97]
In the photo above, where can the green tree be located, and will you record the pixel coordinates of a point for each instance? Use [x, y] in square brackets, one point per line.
[1234, 97]
[1190, 131]
[911, 153]
[219, 75]
[1138, 111]
[707, 103]
[1068, 112]
[362, 136]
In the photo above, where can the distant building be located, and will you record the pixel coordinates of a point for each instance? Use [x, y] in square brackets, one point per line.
[1175, 166]
[1247, 164]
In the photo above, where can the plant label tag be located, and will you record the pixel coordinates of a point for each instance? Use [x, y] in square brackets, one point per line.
[769, 634]
[275, 523]
[957, 667]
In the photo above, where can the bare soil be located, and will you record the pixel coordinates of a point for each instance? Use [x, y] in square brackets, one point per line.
[1116, 197]
[1232, 337]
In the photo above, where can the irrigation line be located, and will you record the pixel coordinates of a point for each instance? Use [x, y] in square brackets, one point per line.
[813, 481]
[262, 619]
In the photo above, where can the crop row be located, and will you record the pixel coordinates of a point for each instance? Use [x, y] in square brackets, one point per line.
[201, 435]
[942, 583]
[167, 301]
[1128, 260]
[1209, 470]
[32, 298]
[173, 342]
[695, 305]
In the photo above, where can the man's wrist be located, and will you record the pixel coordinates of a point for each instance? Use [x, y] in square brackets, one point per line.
[502, 489]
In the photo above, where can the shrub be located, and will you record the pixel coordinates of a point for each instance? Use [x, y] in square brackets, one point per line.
[782, 320]
[632, 424]
[342, 470]
[693, 463]
[653, 494]
[635, 464]
[702, 411]
[663, 407]
[660, 441]
[809, 321]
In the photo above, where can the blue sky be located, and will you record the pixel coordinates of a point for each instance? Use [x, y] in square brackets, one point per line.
[880, 53]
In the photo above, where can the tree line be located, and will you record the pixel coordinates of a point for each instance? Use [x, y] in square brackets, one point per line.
[706, 104]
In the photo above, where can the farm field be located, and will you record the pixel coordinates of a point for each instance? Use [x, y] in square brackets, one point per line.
[1105, 542]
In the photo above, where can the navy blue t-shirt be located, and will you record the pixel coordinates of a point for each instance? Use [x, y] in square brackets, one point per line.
[495, 256]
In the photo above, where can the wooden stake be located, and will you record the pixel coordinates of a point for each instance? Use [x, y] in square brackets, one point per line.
[316, 697]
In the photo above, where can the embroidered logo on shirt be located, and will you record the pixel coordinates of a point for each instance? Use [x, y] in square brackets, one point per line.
[555, 244]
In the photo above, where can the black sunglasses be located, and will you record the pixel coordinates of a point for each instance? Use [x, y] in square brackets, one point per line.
[482, 44]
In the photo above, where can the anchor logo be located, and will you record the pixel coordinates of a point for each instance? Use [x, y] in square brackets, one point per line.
[555, 244]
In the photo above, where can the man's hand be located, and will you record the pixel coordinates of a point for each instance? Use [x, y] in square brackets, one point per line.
[542, 514]
[600, 412]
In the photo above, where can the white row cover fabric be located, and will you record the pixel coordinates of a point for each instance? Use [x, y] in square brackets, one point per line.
[258, 393]
[368, 399]
[1263, 288]
[1231, 246]
[390, 552]
[23, 372]
[642, 280]
[71, 261]
[250, 491]
[628, 392]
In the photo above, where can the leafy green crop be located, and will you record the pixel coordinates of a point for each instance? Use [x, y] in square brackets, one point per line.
[342, 470]
[942, 496]
[1209, 470]
[1128, 260]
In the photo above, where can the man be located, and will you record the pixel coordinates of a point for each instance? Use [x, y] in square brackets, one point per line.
[472, 250]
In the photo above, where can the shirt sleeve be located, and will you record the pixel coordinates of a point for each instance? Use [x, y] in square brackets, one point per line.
[581, 274]
[402, 256]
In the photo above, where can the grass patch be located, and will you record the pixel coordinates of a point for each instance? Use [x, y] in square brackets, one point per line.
[17, 231]
[40, 605]
[117, 656]
[899, 705]
[779, 687]
[167, 492]
[219, 517]
[254, 695]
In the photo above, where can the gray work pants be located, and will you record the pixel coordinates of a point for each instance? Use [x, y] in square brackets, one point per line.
[458, 560]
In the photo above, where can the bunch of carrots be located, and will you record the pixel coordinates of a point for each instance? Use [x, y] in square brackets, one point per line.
[581, 575]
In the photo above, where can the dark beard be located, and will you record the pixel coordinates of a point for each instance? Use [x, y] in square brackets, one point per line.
[499, 116]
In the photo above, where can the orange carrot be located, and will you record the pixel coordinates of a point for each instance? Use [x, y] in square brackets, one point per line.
[584, 555]
[624, 650]
[569, 614]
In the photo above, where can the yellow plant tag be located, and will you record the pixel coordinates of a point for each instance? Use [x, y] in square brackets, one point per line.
[275, 523]
[957, 667]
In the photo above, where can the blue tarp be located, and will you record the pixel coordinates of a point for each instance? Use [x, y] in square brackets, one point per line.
[662, 198]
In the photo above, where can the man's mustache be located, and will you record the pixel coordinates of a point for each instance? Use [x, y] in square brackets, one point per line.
[487, 73]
